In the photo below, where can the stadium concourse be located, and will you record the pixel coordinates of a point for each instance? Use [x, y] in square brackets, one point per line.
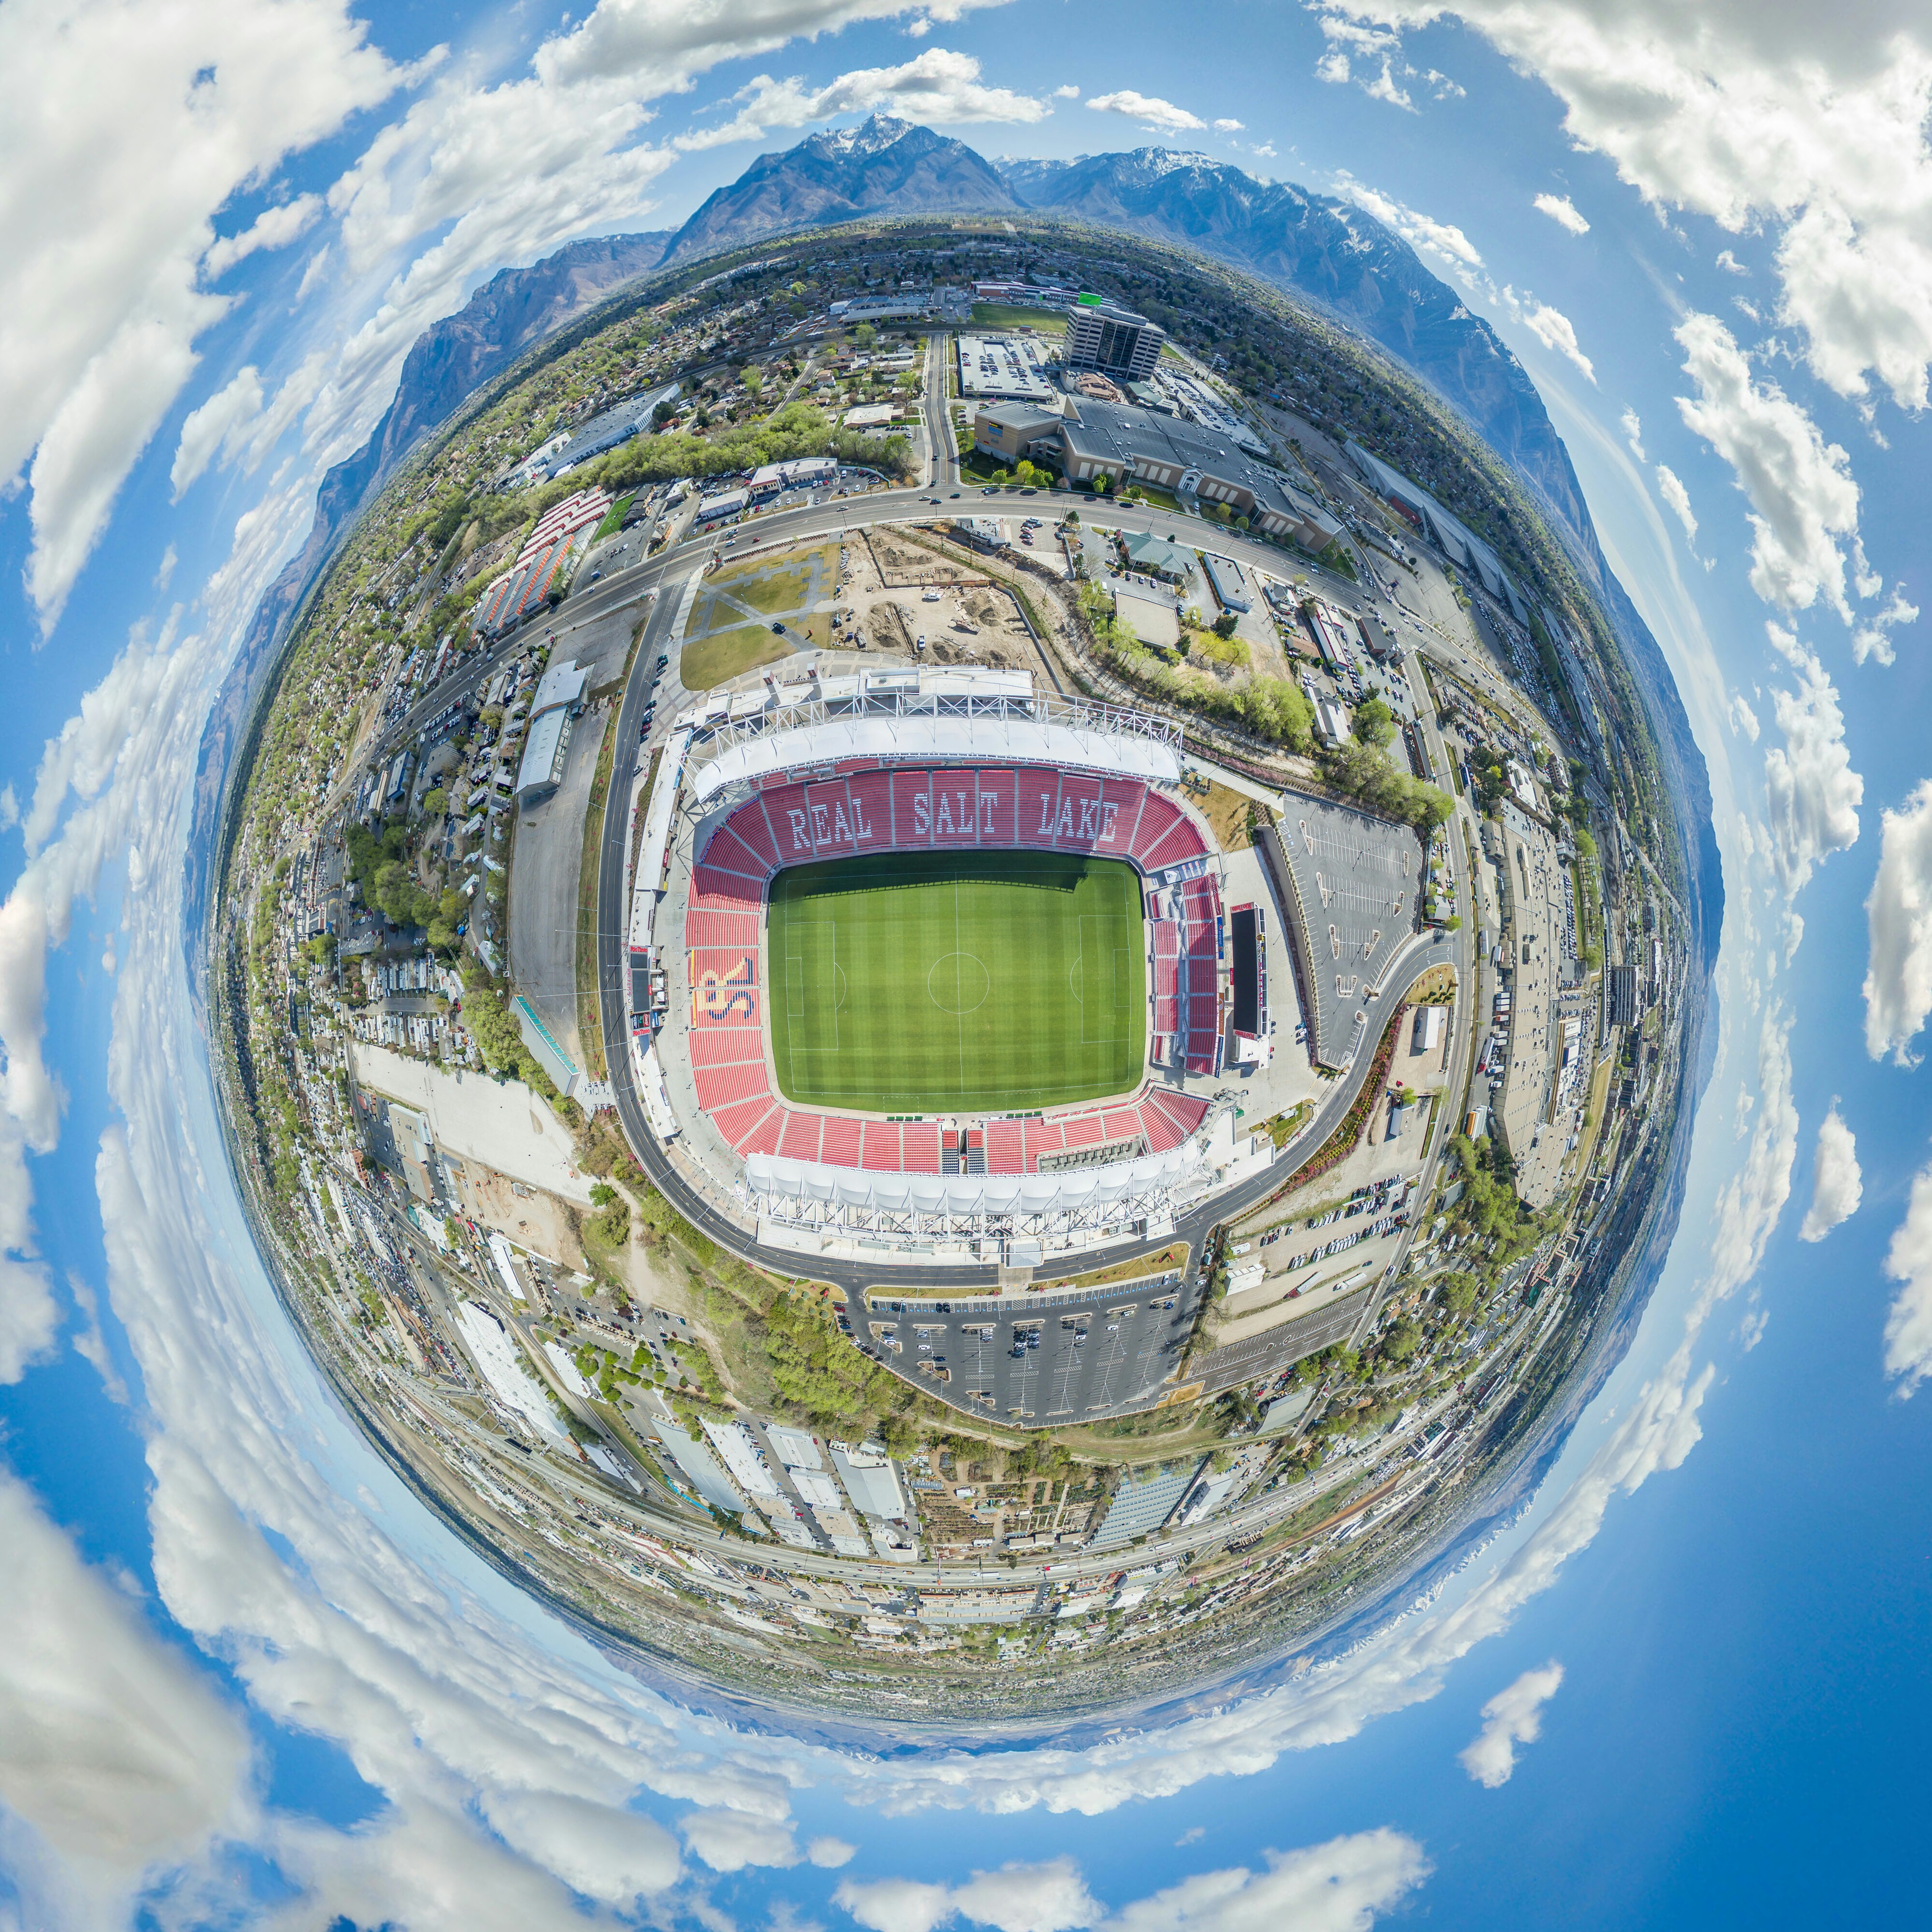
[746, 791]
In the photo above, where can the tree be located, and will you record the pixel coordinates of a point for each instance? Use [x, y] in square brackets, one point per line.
[864, 335]
[1224, 625]
[1585, 844]
[1102, 484]
[435, 801]
[1374, 723]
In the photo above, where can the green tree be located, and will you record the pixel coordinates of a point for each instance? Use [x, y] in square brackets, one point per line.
[435, 801]
[1374, 723]
[864, 335]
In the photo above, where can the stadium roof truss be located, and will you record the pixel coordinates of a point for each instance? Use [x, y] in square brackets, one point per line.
[960, 719]
[1071, 1209]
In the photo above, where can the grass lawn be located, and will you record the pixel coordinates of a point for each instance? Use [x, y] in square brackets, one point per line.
[711, 660]
[1009, 315]
[957, 982]
[721, 642]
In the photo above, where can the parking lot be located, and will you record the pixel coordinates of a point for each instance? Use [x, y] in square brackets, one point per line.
[1357, 879]
[1044, 1358]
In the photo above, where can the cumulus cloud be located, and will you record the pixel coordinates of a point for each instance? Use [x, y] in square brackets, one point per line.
[1443, 240]
[1070, 91]
[1149, 109]
[1513, 1716]
[273, 228]
[1228, 127]
[106, 250]
[1677, 500]
[1811, 792]
[1898, 977]
[1757, 117]
[1743, 717]
[114, 1754]
[1632, 426]
[612, 1855]
[1749, 1204]
[729, 1840]
[828, 1853]
[937, 85]
[1838, 1186]
[1341, 1886]
[1564, 212]
[1804, 505]
[1908, 1260]
[1556, 332]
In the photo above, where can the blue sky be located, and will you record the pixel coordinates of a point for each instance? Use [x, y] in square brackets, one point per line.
[243, 1679]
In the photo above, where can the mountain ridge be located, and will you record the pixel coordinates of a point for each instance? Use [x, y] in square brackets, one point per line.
[884, 167]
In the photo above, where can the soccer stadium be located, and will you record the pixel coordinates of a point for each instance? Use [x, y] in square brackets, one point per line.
[928, 968]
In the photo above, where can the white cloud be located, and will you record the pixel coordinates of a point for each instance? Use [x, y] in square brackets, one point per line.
[104, 244]
[828, 1853]
[1872, 638]
[1069, 92]
[1804, 505]
[1442, 240]
[113, 1752]
[1333, 68]
[1898, 978]
[273, 228]
[894, 1904]
[1556, 333]
[1677, 500]
[1341, 1886]
[1837, 1185]
[937, 85]
[1513, 1716]
[1384, 88]
[1730, 263]
[1908, 1323]
[612, 1855]
[1149, 109]
[1227, 127]
[1812, 794]
[728, 1840]
[1633, 429]
[1564, 212]
[1742, 717]
[1749, 1204]
[1049, 1897]
[227, 415]
[10, 808]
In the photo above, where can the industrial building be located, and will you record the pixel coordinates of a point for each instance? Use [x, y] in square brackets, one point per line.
[1116, 341]
[801, 472]
[1124, 443]
[1449, 534]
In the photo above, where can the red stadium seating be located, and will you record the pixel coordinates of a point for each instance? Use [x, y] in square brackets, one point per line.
[800, 1138]
[920, 1143]
[735, 1123]
[720, 1087]
[880, 1148]
[737, 931]
[1005, 1147]
[721, 1046]
[840, 1147]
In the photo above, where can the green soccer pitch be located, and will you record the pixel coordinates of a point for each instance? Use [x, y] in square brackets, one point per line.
[951, 983]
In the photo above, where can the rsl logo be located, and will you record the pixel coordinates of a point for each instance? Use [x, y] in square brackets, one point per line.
[732, 993]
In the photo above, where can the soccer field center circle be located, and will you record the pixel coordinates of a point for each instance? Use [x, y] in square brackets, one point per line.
[969, 983]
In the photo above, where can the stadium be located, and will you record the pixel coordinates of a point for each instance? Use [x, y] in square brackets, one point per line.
[928, 969]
